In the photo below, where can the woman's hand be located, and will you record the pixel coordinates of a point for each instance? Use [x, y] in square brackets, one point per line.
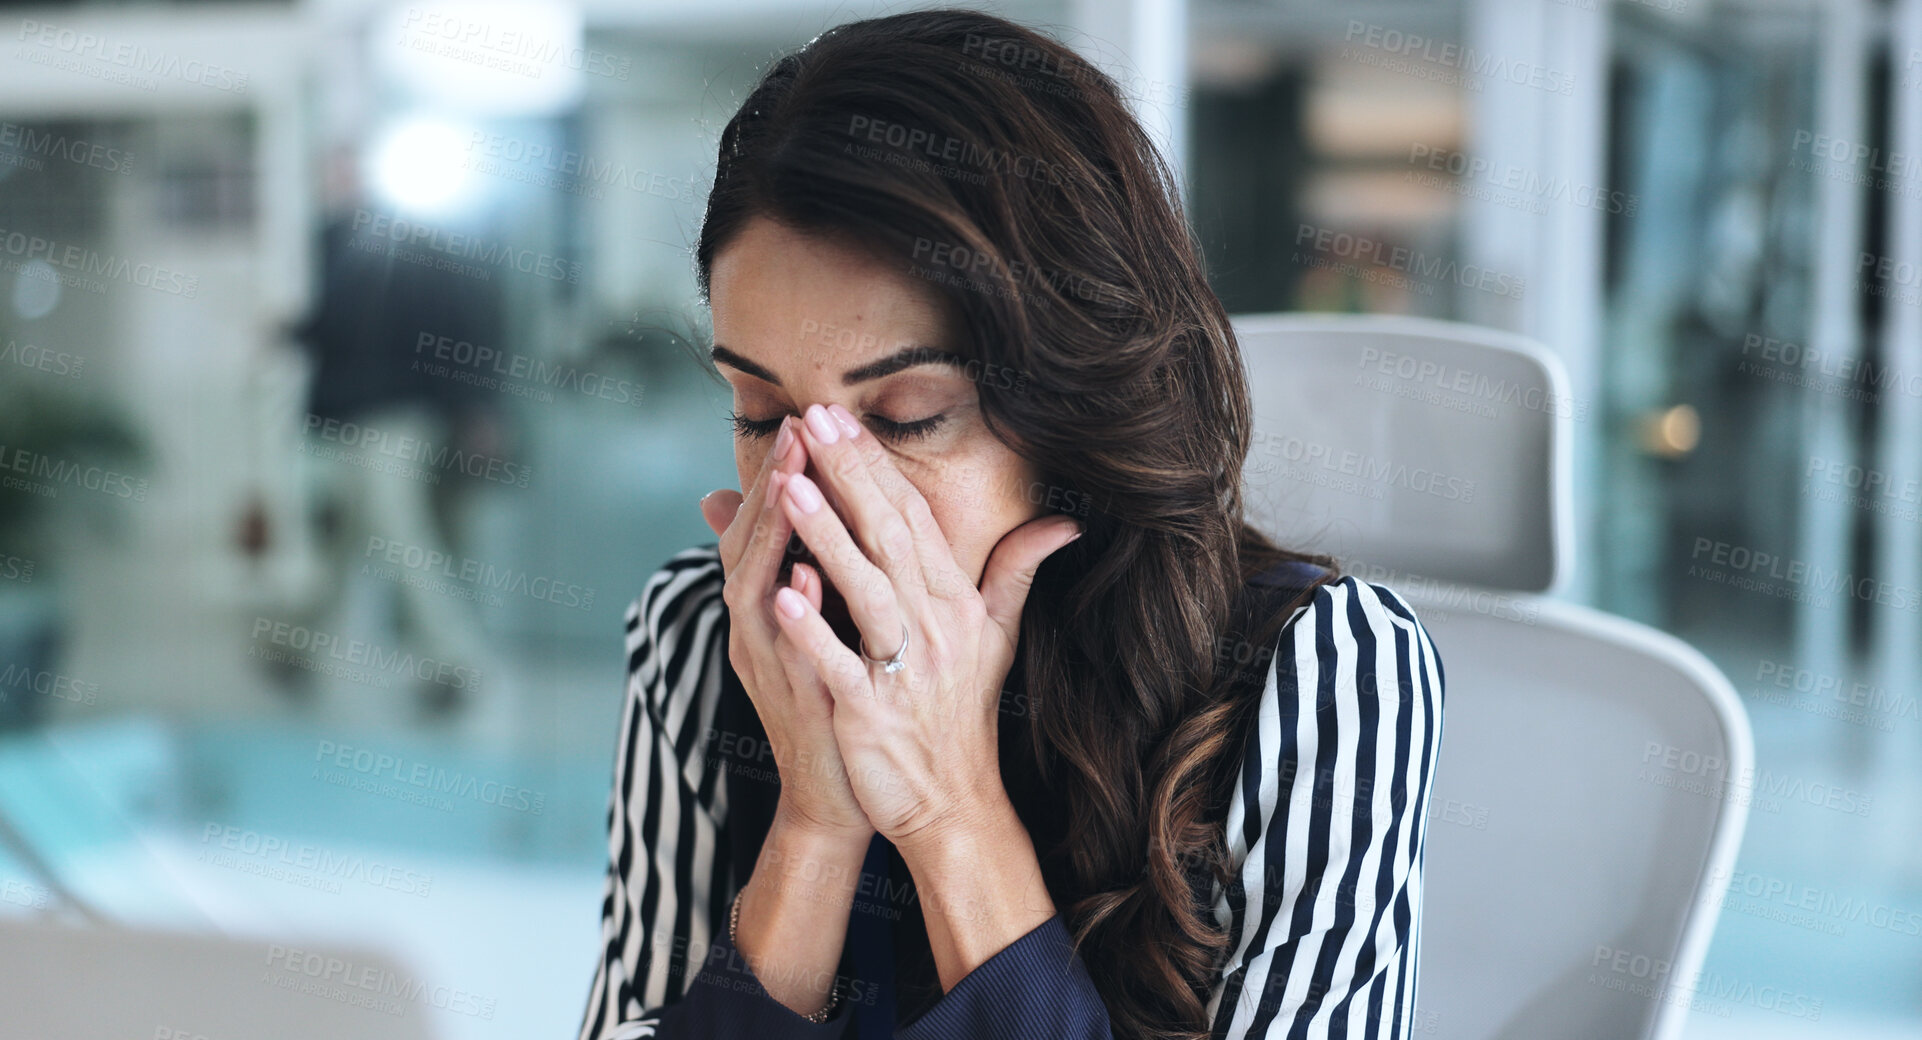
[920, 743]
[793, 703]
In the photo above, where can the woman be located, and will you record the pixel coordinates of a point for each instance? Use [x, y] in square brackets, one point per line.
[987, 705]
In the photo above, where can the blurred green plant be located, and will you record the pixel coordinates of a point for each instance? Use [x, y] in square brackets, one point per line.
[43, 424]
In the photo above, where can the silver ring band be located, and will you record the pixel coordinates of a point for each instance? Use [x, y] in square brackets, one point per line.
[895, 663]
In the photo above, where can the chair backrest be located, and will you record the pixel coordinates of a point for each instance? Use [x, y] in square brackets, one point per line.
[1420, 446]
[1593, 783]
[1595, 773]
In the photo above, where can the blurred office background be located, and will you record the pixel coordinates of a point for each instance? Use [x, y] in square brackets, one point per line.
[348, 393]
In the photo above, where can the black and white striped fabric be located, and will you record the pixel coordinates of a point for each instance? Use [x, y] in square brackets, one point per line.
[1326, 827]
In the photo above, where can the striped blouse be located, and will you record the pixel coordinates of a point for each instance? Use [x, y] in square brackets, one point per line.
[1325, 831]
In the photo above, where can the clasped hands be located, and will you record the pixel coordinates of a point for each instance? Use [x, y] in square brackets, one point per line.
[912, 753]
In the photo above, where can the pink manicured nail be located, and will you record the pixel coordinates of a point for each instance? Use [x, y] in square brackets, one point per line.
[783, 441]
[824, 428]
[846, 419]
[790, 602]
[804, 493]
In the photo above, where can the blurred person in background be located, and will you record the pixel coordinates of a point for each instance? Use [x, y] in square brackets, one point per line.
[385, 434]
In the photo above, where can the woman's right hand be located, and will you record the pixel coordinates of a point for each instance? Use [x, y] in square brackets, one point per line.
[794, 704]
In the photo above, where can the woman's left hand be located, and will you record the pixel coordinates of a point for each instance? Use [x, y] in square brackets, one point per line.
[920, 744]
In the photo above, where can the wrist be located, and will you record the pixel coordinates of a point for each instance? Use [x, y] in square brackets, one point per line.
[964, 829]
[980, 887]
[798, 826]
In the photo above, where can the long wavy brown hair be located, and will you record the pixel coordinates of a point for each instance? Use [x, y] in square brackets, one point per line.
[1009, 172]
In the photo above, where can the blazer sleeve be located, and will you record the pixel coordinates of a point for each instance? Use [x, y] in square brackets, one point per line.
[665, 967]
[1327, 825]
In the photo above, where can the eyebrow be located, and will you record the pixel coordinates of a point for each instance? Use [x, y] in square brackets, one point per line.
[907, 357]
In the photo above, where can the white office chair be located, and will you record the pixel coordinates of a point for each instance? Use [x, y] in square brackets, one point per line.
[62, 982]
[1589, 798]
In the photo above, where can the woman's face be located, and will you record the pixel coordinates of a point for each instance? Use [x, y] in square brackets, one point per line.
[797, 319]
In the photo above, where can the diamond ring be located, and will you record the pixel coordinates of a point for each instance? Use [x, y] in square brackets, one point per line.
[895, 663]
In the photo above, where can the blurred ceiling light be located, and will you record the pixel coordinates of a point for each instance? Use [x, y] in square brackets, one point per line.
[418, 165]
[1672, 432]
[487, 58]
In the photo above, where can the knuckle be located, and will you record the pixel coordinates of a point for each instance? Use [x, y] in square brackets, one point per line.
[874, 599]
[845, 463]
[820, 644]
[919, 514]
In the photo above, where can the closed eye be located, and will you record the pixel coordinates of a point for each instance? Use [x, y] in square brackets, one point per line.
[894, 431]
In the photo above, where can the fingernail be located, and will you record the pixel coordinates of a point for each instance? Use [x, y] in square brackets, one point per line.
[783, 440]
[823, 426]
[846, 419]
[804, 493]
[790, 602]
[707, 496]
